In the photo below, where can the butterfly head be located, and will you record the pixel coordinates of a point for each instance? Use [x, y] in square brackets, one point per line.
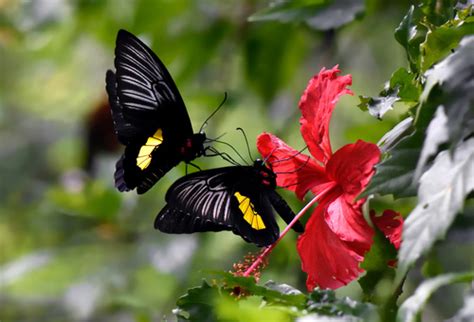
[265, 175]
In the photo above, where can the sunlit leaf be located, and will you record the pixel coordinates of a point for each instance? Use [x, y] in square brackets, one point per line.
[411, 309]
[436, 134]
[408, 87]
[453, 78]
[454, 72]
[441, 195]
[392, 137]
[441, 41]
[380, 105]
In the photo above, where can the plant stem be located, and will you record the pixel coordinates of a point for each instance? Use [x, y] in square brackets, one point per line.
[268, 250]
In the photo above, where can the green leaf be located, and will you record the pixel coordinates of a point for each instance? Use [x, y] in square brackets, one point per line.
[198, 304]
[441, 41]
[453, 73]
[395, 174]
[273, 302]
[318, 14]
[410, 35]
[410, 311]
[324, 302]
[271, 292]
[441, 195]
[409, 89]
[453, 79]
[403, 86]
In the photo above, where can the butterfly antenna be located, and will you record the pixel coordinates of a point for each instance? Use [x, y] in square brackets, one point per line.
[297, 169]
[208, 140]
[246, 142]
[233, 149]
[213, 113]
[269, 155]
[291, 156]
[224, 156]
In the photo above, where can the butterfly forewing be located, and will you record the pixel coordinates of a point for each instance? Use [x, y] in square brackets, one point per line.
[146, 91]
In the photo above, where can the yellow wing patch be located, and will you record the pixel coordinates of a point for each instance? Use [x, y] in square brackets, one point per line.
[248, 209]
[144, 155]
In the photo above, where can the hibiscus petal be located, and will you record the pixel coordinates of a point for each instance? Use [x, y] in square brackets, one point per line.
[316, 105]
[348, 223]
[328, 260]
[295, 171]
[391, 224]
[352, 166]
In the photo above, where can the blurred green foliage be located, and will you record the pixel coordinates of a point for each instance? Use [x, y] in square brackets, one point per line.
[74, 249]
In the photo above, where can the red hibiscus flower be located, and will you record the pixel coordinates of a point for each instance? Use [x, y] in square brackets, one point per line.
[337, 236]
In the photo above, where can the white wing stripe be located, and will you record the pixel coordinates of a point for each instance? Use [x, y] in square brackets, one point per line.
[140, 64]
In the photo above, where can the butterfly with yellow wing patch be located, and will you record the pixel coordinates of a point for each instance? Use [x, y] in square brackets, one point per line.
[236, 198]
[149, 116]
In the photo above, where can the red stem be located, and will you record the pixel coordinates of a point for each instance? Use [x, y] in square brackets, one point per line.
[267, 250]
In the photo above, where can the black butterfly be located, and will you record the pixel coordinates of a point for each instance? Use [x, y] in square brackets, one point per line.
[236, 198]
[149, 116]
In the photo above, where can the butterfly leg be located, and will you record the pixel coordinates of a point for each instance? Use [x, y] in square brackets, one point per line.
[190, 163]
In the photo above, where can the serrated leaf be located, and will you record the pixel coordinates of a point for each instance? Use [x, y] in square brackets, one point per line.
[409, 89]
[197, 304]
[440, 41]
[395, 175]
[379, 105]
[441, 195]
[436, 134]
[452, 80]
[272, 293]
[410, 35]
[410, 311]
[318, 14]
[453, 73]
[324, 302]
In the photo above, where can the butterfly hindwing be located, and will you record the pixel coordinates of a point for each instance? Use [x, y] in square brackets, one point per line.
[220, 199]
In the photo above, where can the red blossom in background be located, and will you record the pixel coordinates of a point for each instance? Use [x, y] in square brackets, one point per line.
[336, 236]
